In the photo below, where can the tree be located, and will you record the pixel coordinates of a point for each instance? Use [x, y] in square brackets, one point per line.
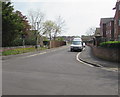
[49, 28]
[36, 19]
[59, 26]
[53, 28]
[26, 27]
[91, 31]
[11, 24]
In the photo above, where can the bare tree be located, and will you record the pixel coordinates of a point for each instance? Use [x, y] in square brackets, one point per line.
[59, 26]
[36, 18]
[91, 31]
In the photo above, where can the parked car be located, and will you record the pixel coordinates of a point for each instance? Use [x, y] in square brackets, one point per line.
[76, 45]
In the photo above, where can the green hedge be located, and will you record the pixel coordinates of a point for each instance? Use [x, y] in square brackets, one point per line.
[110, 44]
[18, 42]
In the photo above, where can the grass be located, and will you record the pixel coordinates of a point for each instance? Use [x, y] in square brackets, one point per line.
[20, 50]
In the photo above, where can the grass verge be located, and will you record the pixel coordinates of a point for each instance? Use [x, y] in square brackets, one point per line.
[20, 51]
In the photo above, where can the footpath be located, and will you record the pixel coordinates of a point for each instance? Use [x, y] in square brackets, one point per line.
[87, 56]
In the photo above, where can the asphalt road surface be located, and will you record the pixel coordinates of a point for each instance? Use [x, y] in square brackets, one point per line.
[55, 72]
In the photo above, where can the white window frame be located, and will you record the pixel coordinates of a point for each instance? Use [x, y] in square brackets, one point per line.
[115, 30]
[115, 22]
[110, 24]
[110, 31]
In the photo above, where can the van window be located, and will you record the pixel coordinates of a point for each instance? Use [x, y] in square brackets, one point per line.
[76, 43]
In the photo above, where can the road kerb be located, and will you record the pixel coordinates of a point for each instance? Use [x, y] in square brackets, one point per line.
[93, 64]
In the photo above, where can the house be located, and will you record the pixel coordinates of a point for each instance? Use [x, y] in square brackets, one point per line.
[87, 38]
[117, 21]
[110, 30]
[67, 38]
[105, 27]
[97, 32]
[97, 37]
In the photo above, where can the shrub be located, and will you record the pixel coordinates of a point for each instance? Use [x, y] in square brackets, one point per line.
[30, 41]
[110, 44]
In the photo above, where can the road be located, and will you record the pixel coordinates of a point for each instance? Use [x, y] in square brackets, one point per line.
[55, 72]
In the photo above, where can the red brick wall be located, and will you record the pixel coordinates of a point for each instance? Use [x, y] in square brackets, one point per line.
[54, 44]
[107, 54]
[116, 21]
[110, 30]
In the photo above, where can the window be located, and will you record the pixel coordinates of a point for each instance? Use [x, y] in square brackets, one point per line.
[110, 32]
[115, 30]
[119, 22]
[110, 23]
[115, 22]
[119, 7]
[76, 42]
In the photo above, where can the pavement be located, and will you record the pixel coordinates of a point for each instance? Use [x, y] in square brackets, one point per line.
[87, 56]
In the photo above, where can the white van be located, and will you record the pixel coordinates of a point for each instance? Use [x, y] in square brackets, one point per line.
[76, 45]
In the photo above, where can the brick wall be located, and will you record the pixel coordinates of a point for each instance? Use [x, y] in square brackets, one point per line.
[116, 21]
[107, 54]
[54, 44]
[110, 30]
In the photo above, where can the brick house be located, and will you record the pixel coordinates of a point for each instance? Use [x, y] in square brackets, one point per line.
[97, 32]
[117, 21]
[106, 28]
[87, 38]
[110, 30]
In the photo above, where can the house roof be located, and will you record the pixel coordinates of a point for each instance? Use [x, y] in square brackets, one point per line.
[97, 32]
[106, 20]
[87, 38]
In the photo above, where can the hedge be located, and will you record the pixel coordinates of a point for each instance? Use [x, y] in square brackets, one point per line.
[19, 42]
[110, 44]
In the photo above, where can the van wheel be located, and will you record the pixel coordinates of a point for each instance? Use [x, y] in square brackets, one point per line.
[80, 50]
[71, 50]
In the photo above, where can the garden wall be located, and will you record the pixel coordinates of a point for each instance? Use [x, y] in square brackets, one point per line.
[107, 53]
[54, 44]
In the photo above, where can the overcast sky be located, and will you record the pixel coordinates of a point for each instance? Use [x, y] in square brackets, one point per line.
[79, 15]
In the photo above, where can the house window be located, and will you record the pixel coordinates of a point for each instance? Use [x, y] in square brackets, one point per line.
[110, 32]
[115, 22]
[119, 22]
[110, 24]
[115, 30]
[119, 7]
[106, 32]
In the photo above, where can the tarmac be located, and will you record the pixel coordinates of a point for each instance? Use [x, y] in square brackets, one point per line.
[87, 56]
